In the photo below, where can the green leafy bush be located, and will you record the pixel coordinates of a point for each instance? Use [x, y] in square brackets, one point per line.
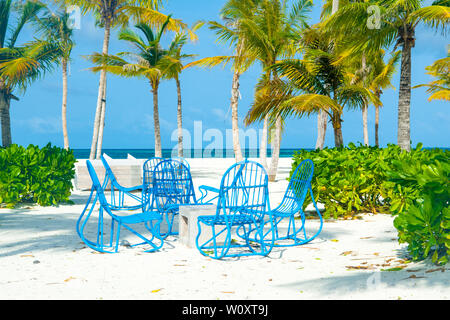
[36, 175]
[414, 186]
[425, 222]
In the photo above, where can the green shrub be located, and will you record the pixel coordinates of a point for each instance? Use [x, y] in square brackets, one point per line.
[425, 222]
[413, 185]
[36, 175]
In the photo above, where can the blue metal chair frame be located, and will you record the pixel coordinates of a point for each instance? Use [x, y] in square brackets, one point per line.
[243, 204]
[292, 203]
[172, 188]
[117, 203]
[151, 220]
[147, 185]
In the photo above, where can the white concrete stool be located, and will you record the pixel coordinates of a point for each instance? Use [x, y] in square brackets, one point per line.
[188, 228]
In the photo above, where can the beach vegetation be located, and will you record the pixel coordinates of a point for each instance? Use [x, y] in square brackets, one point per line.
[35, 175]
[413, 186]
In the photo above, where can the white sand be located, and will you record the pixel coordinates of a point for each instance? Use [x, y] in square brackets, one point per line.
[42, 257]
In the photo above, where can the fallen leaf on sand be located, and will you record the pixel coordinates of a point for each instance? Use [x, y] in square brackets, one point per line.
[179, 265]
[156, 290]
[311, 248]
[227, 291]
[394, 269]
[334, 240]
[434, 270]
[363, 238]
[413, 270]
[357, 267]
[68, 279]
[346, 253]
[413, 276]
[27, 256]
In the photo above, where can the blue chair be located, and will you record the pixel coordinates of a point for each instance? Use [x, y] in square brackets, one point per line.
[172, 188]
[243, 204]
[291, 204]
[147, 183]
[118, 192]
[149, 219]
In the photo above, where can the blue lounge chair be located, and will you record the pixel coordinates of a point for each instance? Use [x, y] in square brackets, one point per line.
[118, 192]
[242, 204]
[150, 219]
[291, 204]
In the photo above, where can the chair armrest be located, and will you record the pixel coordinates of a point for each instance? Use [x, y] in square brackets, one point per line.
[204, 191]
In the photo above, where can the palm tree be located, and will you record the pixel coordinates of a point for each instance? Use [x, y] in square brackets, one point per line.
[439, 89]
[378, 77]
[56, 28]
[399, 19]
[232, 13]
[271, 33]
[173, 70]
[150, 61]
[112, 13]
[330, 7]
[319, 81]
[20, 65]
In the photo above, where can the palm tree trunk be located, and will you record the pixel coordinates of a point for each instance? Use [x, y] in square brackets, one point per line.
[101, 89]
[263, 143]
[64, 105]
[276, 144]
[102, 125]
[365, 128]
[337, 126]
[322, 118]
[404, 99]
[157, 130]
[234, 116]
[5, 119]
[377, 121]
[179, 119]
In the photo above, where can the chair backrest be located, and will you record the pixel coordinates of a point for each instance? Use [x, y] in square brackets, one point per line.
[183, 161]
[244, 189]
[172, 184]
[108, 172]
[148, 167]
[96, 185]
[298, 186]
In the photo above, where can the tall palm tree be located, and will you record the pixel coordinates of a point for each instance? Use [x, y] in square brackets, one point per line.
[376, 75]
[232, 14]
[20, 65]
[329, 8]
[399, 20]
[271, 33]
[318, 81]
[173, 70]
[150, 61]
[439, 89]
[56, 28]
[110, 14]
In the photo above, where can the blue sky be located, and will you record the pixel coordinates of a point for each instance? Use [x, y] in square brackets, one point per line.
[206, 96]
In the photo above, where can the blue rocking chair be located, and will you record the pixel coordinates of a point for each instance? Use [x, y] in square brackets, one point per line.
[291, 204]
[242, 205]
[148, 181]
[150, 219]
[118, 192]
[172, 188]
